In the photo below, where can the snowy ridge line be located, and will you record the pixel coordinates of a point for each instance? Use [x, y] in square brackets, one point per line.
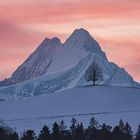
[74, 115]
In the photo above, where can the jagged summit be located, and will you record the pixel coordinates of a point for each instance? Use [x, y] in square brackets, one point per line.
[80, 31]
[82, 38]
[79, 35]
[55, 40]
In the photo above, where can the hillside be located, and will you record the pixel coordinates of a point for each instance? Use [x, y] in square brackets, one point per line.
[110, 104]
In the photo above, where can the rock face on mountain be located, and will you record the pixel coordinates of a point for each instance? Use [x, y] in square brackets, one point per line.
[38, 62]
[55, 66]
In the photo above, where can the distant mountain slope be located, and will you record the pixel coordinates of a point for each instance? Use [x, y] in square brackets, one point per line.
[72, 77]
[55, 66]
[31, 112]
[37, 63]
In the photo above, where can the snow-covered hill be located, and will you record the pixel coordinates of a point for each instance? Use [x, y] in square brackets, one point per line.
[114, 103]
[55, 67]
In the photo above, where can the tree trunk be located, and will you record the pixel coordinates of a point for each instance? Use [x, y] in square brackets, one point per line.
[93, 82]
[94, 79]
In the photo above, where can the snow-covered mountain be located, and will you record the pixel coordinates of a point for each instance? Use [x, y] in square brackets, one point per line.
[55, 66]
[38, 62]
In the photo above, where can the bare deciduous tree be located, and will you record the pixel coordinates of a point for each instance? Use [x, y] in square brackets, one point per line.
[94, 73]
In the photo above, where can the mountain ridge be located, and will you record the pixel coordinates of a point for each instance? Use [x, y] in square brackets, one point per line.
[55, 66]
[41, 56]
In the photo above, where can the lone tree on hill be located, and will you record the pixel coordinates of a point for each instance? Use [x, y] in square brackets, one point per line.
[94, 73]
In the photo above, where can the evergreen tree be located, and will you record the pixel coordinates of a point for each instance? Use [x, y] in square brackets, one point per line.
[79, 132]
[56, 132]
[73, 127]
[128, 132]
[63, 131]
[92, 129]
[13, 136]
[44, 134]
[29, 135]
[122, 132]
[105, 132]
[68, 135]
[3, 134]
[117, 133]
[7, 133]
[121, 125]
[138, 134]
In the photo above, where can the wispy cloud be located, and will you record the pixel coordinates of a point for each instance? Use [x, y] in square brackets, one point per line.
[114, 23]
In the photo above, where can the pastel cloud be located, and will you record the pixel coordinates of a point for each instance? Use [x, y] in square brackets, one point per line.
[54, 11]
[114, 23]
[123, 51]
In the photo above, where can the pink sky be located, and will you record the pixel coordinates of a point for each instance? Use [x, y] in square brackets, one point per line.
[115, 24]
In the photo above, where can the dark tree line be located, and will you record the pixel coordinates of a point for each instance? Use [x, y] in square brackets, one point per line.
[76, 131]
[6, 133]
